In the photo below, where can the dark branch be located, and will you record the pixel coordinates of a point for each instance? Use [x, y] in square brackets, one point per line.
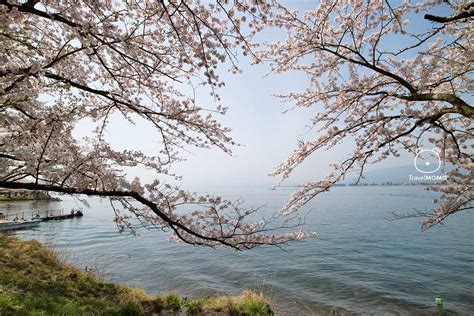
[175, 225]
[468, 13]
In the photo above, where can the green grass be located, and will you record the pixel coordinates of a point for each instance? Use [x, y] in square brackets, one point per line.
[247, 303]
[34, 282]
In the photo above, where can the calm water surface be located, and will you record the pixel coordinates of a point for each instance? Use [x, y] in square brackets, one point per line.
[360, 263]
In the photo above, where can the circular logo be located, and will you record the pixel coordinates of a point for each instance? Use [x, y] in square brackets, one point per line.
[427, 160]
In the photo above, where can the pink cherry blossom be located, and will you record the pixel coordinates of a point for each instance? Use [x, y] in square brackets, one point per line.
[93, 59]
[383, 83]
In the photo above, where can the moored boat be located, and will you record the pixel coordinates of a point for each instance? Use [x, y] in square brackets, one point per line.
[18, 224]
[61, 216]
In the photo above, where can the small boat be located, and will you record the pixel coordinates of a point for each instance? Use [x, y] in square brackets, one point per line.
[18, 224]
[63, 216]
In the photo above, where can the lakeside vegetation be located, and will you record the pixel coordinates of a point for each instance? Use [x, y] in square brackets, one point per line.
[26, 195]
[33, 281]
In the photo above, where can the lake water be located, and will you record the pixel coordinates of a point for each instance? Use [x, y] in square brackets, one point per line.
[361, 263]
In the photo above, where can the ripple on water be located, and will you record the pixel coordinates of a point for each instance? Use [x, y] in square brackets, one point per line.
[361, 263]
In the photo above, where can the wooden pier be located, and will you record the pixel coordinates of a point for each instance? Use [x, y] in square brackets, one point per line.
[56, 217]
[43, 215]
[62, 216]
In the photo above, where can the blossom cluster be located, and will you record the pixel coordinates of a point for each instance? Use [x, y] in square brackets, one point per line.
[383, 84]
[63, 62]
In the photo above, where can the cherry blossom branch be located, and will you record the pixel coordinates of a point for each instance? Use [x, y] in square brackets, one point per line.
[63, 63]
[468, 12]
[384, 98]
[240, 237]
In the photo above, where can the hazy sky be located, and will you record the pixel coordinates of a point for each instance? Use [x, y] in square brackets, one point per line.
[267, 135]
[255, 115]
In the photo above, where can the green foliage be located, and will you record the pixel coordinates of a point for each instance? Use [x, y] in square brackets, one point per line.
[194, 307]
[247, 303]
[131, 309]
[18, 304]
[34, 282]
[255, 307]
[172, 302]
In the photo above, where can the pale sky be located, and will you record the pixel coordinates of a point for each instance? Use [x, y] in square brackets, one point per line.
[255, 115]
[267, 135]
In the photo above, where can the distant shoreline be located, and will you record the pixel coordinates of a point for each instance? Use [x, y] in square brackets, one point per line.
[53, 199]
[25, 195]
[388, 184]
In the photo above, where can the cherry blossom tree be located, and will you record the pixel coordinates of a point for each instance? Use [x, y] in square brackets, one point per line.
[62, 62]
[385, 76]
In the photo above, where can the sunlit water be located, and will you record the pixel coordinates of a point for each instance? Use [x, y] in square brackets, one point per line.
[360, 263]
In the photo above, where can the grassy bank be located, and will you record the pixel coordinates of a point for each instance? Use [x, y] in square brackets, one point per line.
[33, 281]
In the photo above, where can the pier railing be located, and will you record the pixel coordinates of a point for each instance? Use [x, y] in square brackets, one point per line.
[27, 215]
